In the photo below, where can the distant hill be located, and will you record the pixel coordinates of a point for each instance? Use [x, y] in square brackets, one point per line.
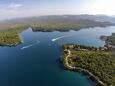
[90, 20]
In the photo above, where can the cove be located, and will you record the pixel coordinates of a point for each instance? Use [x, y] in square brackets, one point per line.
[34, 62]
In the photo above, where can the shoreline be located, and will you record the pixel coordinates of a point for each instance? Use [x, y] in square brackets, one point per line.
[21, 41]
[67, 30]
[11, 45]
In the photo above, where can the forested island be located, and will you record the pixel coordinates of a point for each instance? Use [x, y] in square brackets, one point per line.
[98, 63]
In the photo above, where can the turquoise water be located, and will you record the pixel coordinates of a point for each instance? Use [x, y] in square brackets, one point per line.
[34, 62]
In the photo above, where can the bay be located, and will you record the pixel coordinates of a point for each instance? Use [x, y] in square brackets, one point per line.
[35, 61]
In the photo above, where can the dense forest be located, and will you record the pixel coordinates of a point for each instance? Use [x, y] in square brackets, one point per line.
[98, 62]
[66, 25]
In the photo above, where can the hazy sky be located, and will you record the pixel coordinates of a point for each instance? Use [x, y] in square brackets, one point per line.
[22, 8]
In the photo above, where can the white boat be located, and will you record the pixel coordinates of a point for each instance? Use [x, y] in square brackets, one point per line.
[30, 45]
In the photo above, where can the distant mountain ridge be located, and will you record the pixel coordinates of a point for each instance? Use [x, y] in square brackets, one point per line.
[102, 18]
[56, 19]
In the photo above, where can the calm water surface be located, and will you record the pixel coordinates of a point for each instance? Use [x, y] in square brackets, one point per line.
[34, 63]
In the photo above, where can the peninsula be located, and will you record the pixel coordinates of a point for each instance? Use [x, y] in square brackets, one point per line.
[10, 37]
[98, 63]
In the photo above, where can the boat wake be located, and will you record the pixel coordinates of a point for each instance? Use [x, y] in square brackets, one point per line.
[27, 46]
[55, 39]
